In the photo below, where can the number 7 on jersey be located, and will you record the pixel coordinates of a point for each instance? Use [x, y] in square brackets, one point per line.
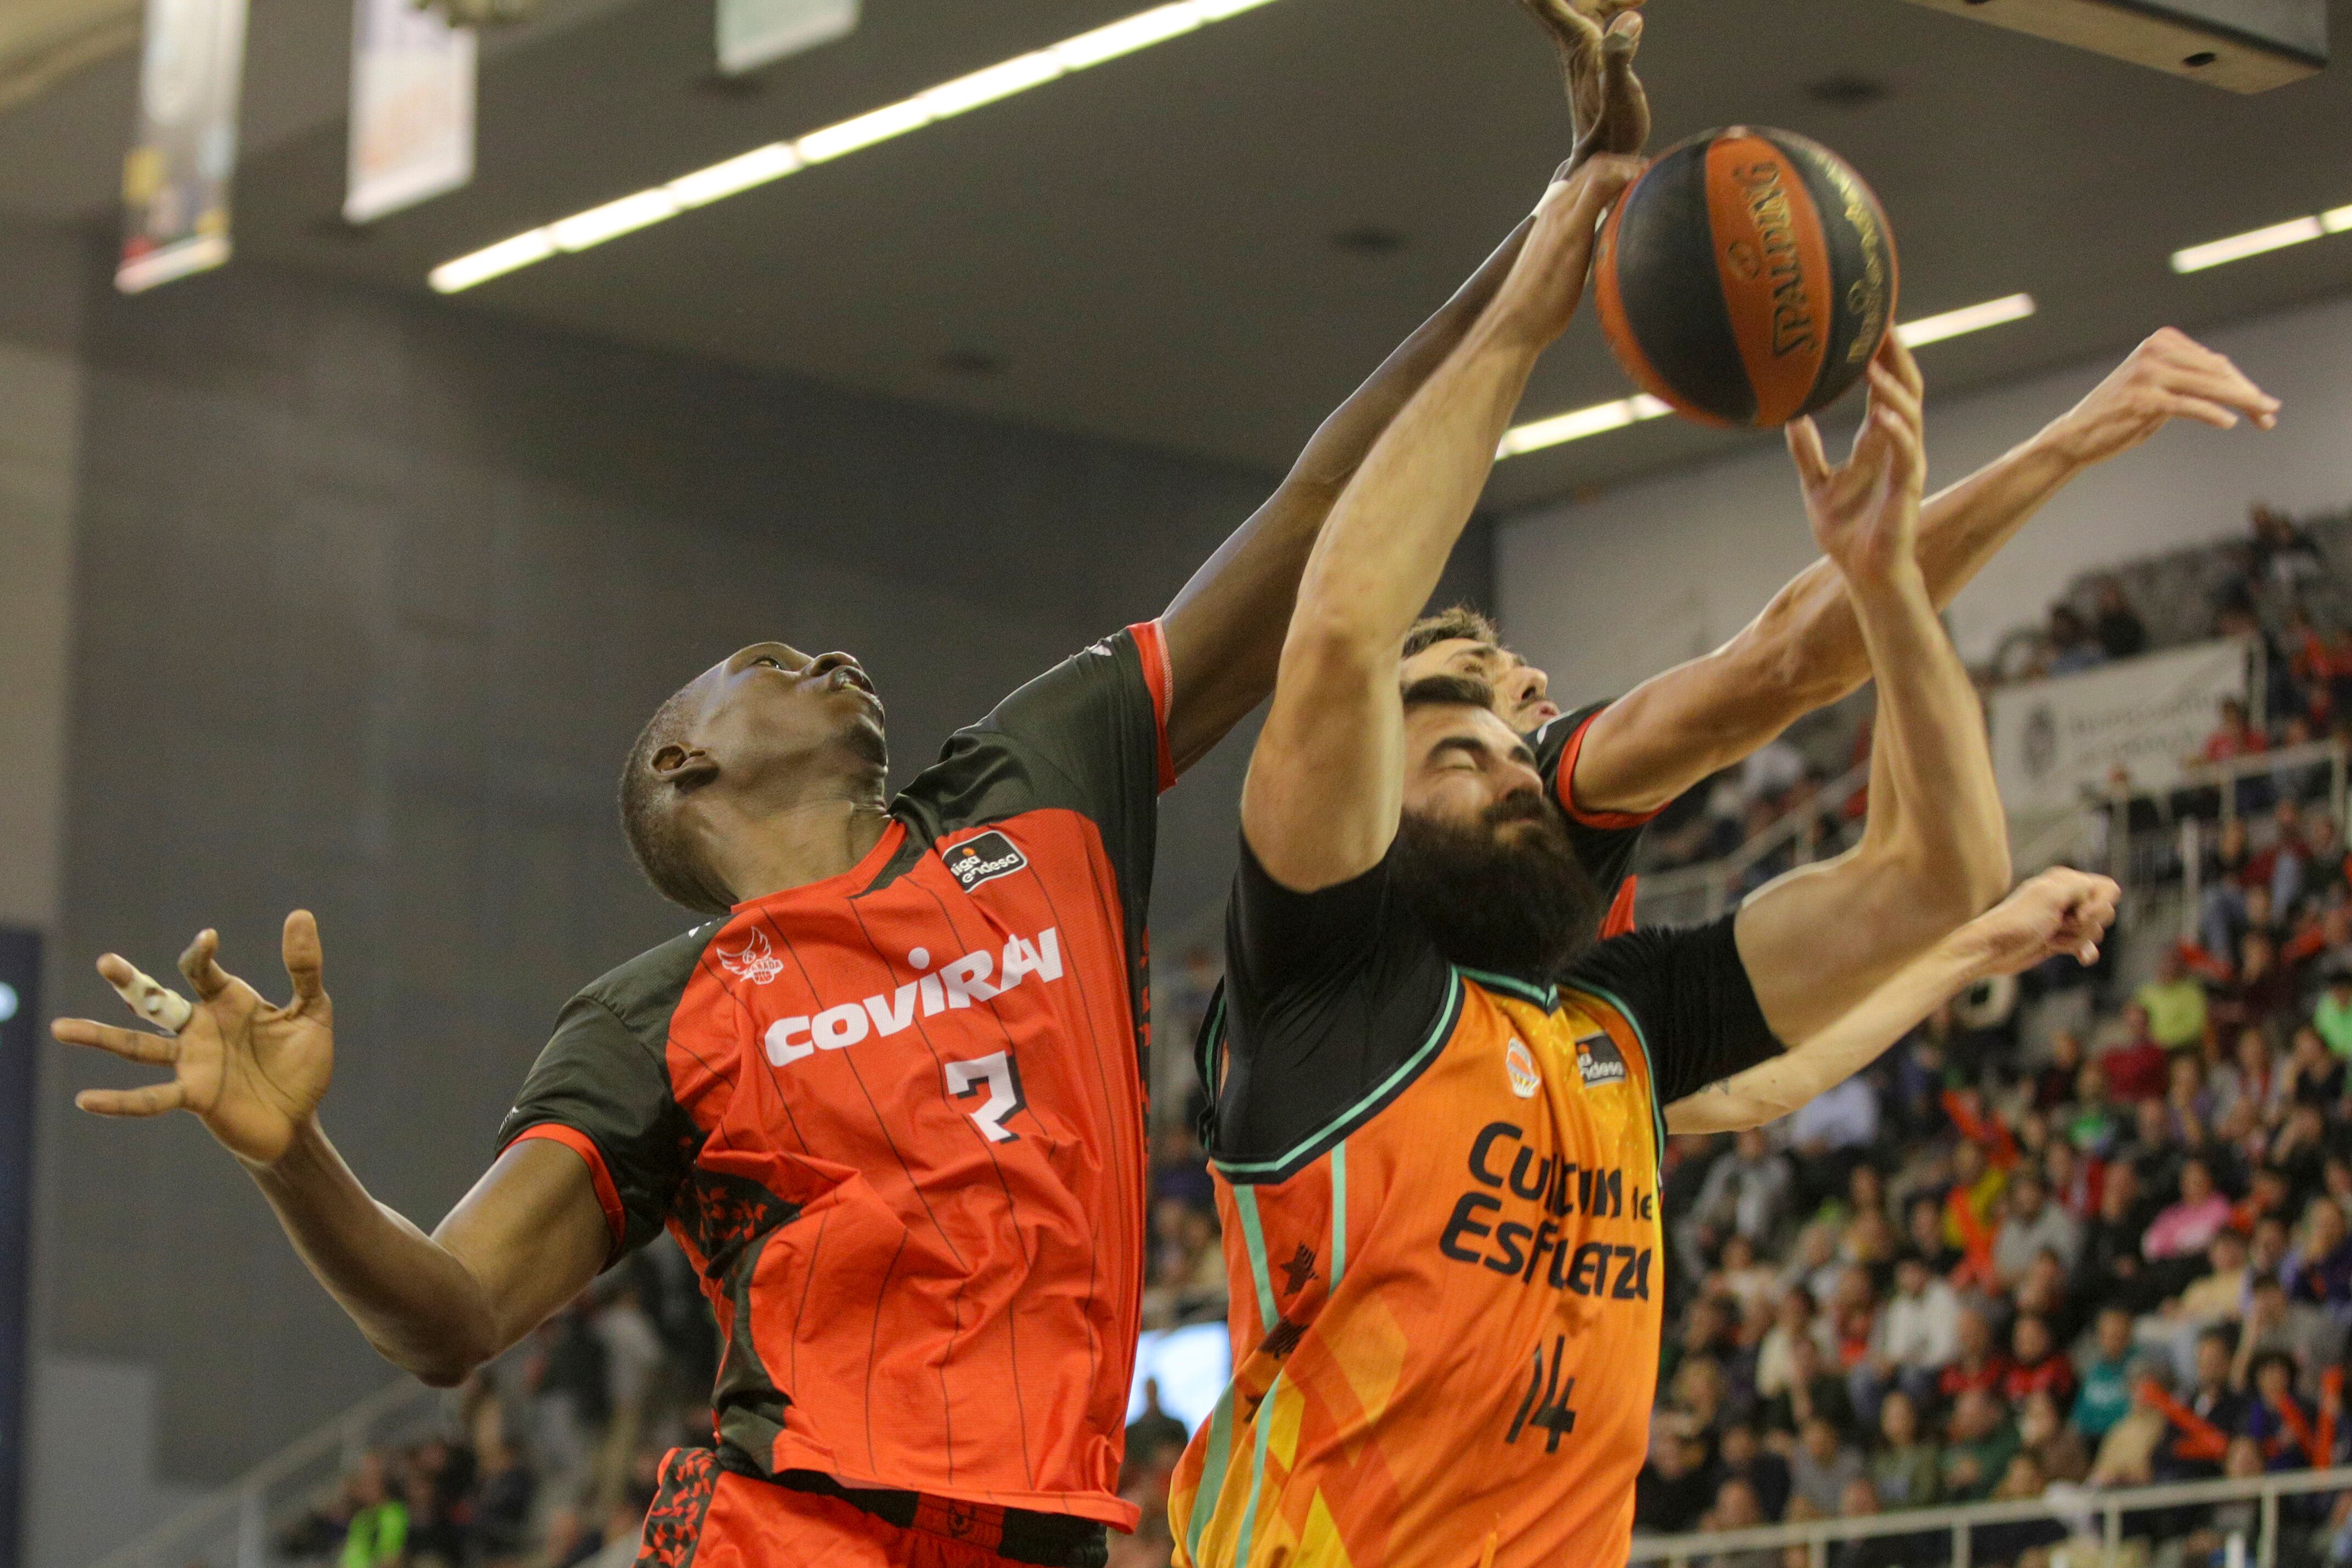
[1001, 1075]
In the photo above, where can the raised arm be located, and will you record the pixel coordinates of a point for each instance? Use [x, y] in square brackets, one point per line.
[1934, 850]
[1805, 650]
[1324, 794]
[2058, 914]
[527, 1239]
[1224, 629]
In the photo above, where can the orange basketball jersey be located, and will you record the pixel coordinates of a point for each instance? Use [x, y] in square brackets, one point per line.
[1447, 1297]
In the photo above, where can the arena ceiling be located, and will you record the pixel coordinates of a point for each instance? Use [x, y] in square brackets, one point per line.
[1201, 246]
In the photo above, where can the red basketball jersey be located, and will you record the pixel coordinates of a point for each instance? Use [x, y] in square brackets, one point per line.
[896, 1117]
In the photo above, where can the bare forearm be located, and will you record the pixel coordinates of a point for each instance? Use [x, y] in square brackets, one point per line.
[1380, 555]
[1225, 627]
[1802, 652]
[1771, 1090]
[415, 1303]
[1807, 647]
[1945, 829]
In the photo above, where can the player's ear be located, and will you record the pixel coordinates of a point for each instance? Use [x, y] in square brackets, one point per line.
[684, 766]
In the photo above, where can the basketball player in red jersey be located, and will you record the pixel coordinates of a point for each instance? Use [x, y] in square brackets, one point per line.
[1437, 1124]
[887, 1098]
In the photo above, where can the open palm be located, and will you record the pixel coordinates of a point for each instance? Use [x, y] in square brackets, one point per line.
[1610, 110]
[1865, 510]
[250, 1072]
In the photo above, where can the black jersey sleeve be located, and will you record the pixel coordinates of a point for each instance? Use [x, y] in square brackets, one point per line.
[1688, 994]
[602, 1091]
[1331, 1000]
[1089, 735]
[1604, 841]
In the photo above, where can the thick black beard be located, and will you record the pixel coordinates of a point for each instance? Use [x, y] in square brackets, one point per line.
[1522, 906]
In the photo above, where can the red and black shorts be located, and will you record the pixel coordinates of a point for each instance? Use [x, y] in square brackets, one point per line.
[706, 1516]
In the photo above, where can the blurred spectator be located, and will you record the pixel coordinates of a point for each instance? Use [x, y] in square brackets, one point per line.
[2072, 645]
[2118, 627]
[2175, 1004]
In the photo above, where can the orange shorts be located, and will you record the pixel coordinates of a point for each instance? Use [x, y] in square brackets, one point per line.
[706, 1517]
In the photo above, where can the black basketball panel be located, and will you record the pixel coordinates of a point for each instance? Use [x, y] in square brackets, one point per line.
[1673, 297]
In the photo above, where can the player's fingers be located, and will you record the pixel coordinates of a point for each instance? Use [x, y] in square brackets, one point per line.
[1889, 391]
[147, 997]
[1903, 362]
[305, 959]
[197, 963]
[152, 1101]
[131, 1044]
[2223, 386]
[1805, 449]
[2203, 411]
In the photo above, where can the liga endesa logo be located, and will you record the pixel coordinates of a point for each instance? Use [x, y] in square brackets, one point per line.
[976, 860]
[958, 984]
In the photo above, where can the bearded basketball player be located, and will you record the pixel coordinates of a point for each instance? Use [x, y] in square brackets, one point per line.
[1436, 1121]
[888, 1097]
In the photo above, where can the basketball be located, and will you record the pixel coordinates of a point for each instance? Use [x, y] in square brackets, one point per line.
[1747, 278]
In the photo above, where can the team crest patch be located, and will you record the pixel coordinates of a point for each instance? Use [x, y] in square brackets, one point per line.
[975, 861]
[1598, 1059]
[1520, 1064]
[754, 961]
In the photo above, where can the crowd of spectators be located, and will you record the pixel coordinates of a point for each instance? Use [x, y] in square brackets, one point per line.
[2115, 1256]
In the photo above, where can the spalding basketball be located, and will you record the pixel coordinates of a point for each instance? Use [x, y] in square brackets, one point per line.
[1747, 278]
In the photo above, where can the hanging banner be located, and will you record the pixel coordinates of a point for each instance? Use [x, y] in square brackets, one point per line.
[755, 33]
[175, 181]
[412, 108]
[2053, 738]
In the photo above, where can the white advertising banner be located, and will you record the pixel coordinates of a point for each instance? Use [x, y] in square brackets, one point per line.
[412, 108]
[175, 180]
[755, 33]
[2050, 738]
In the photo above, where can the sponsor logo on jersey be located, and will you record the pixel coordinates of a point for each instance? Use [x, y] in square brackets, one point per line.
[1598, 1059]
[754, 961]
[1520, 1064]
[976, 860]
[977, 977]
[1532, 1216]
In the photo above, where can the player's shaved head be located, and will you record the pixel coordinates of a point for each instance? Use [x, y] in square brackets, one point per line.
[657, 840]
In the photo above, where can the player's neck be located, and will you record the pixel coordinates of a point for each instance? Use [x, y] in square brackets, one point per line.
[798, 844]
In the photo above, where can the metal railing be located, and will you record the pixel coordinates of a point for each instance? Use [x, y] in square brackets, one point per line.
[1690, 895]
[2076, 1507]
[233, 1525]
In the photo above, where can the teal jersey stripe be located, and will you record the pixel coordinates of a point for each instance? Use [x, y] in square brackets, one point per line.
[1339, 1217]
[1544, 997]
[1213, 1471]
[1265, 1422]
[1246, 1200]
[1448, 1015]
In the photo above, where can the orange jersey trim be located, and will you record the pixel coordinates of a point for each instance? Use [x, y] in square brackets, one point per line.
[1564, 786]
[608, 1196]
[1151, 644]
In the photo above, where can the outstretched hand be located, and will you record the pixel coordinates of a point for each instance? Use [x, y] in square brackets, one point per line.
[1596, 40]
[1865, 511]
[2170, 376]
[1547, 280]
[2060, 913]
[251, 1072]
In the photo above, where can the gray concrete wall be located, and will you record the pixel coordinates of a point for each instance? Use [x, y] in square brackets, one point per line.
[372, 595]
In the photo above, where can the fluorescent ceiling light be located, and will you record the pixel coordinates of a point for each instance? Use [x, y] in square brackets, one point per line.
[756, 167]
[1972, 318]
[875, 125]
[2237, 247]
[1136, 32]
[612, 220]
[1578, 424]
[1018, 74]
[2337, 222]
[777, 159]
[493, 261]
